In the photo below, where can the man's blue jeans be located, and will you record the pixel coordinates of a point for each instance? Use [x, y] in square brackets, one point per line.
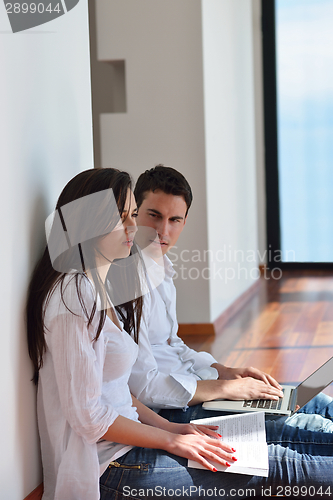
[317, 415]
[300, 464]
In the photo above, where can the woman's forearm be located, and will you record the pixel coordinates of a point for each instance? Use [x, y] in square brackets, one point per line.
[150, 417]
[126, 431]
[196, 447]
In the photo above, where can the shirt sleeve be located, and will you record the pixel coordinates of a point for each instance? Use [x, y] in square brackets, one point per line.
[78, 362]
[151, 386]
[199, 360]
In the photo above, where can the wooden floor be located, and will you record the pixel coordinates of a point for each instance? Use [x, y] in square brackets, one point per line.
[285, 329]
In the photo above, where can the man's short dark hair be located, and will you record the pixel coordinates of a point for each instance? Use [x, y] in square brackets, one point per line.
[166, 179]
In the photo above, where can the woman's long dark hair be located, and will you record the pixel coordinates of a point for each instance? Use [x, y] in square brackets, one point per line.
[46, 276]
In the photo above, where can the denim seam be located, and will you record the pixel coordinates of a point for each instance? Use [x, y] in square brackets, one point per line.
[107, 479]
[289, 441]
[118, 494]
[301, 460]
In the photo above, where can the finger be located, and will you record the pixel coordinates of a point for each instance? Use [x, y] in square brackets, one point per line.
[219, 458]
[205, 430]
[267, 379]
[264, 378]
[207, 465]
[213, 433]
[210, 432]
[272, 391]
[274, 382]
[218, 444]
[270, 396]
[258, 378]
[278, 392]
[212, 427]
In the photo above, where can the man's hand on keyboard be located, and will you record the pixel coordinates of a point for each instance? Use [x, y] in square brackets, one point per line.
[249, 388]
[237, 384]
[227, 373]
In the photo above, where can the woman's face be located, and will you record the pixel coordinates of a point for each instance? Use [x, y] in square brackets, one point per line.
[118, 243]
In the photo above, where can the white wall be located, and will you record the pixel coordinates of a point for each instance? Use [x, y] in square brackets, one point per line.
[162, 47]
[207, 133]
[230, 149]
[259, 129]
[46, 138]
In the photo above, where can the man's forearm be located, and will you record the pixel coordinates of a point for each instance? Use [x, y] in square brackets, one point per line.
[235, 389]
[207, 390]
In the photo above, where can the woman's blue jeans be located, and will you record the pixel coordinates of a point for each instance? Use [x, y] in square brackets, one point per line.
[300, 463]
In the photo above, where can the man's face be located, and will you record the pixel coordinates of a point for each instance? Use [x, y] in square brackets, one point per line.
[166, 214]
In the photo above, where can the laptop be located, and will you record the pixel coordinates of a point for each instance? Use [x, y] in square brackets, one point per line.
[293, 396]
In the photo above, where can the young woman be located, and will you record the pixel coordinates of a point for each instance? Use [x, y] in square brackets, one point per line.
[97, 441]
[82, 357]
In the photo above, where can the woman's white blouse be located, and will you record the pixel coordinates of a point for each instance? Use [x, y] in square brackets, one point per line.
[82, 388]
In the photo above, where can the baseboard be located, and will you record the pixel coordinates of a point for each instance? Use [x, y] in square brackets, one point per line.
[262, 269]
[215, 327]
[196, 329]
[36, 494]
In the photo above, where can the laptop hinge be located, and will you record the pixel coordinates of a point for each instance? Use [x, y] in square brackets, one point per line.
[292, 399]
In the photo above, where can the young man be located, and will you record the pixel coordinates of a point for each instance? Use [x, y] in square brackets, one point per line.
[168, 374]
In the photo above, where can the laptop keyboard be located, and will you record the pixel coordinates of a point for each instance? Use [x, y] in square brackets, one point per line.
[264, 404]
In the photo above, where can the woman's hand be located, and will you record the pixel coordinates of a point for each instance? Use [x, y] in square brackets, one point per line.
[202, 449]
[203, 430]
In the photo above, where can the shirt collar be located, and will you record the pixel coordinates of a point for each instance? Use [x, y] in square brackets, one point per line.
[168, 265]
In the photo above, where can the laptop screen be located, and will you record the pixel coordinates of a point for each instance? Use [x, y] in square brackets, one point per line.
[315, 383]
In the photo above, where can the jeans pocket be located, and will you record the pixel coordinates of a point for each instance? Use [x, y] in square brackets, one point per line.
[118, 475]
[117, 465]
